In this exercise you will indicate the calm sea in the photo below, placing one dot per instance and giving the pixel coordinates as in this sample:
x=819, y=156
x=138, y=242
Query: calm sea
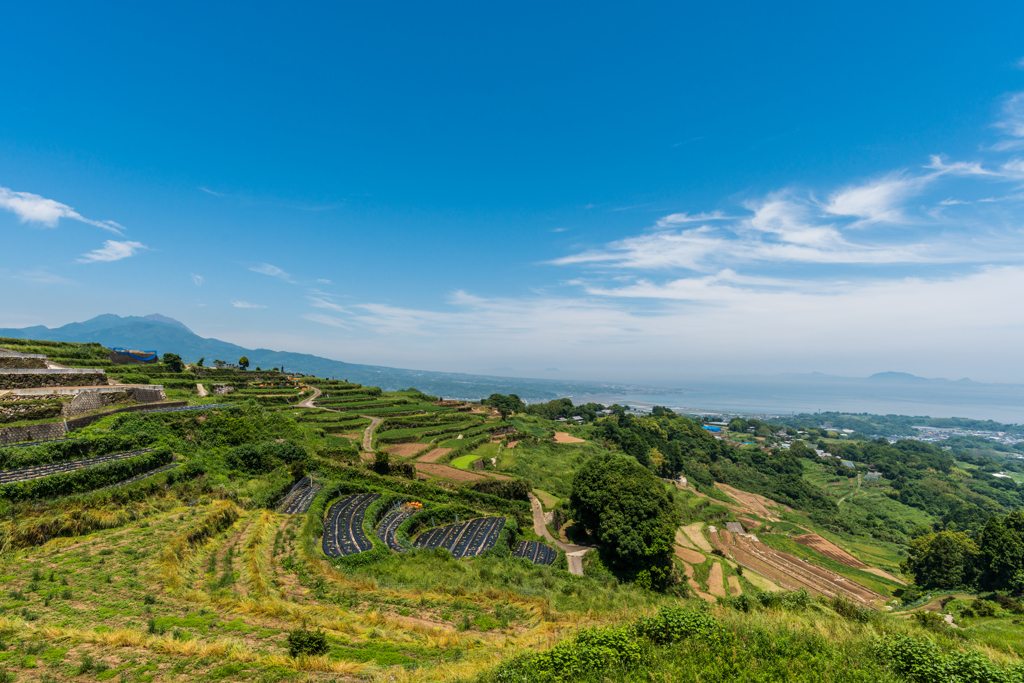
x=999, y=402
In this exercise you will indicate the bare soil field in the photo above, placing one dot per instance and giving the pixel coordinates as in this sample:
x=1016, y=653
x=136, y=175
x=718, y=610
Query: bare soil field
x=829, y=549
x=884, y=574
x=434, y=455
x=684, y=540
x=750, y=524
x=511, y=444
x=446, y=472
x=734, y=585
x=693, y=532
x=405, y=450
x=687, y=555
x=715, y=584
x=562, y=437
x=791, y=572
x=751, y=502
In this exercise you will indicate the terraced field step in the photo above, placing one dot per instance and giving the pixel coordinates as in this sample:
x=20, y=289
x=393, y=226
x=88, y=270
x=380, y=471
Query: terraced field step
x=389, y=525
x=465, y=539
x=298, y=502
x=29, y=444
x=343, y=528
x=535, y=552
x=39, y=471
x=139, y=477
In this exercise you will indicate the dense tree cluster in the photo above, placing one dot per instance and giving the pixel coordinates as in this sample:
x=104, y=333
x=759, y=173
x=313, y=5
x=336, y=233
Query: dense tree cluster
x=631, y=516
x=991, y=560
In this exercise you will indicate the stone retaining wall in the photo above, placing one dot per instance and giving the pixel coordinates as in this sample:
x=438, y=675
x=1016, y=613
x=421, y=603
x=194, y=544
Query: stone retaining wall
x=50, y=430
x=33, y=379
x=21, y=363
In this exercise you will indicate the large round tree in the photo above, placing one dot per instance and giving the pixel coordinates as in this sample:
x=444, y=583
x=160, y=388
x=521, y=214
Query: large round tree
x=630, y=514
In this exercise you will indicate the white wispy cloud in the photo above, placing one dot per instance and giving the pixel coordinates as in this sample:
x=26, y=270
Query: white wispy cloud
x=112, y=250
x=319, y=302
x=198, y=279
x=43, y=277
x=326, y=320
x=31, y=208
x=246, y=304
x=323, y=281
x=674, y=219
x=271, y=270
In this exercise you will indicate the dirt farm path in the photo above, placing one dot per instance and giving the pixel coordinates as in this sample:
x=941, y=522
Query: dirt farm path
x=368, y=434
x=574, y=553
x=840, y=502
x=202, y=390
x=308, y=403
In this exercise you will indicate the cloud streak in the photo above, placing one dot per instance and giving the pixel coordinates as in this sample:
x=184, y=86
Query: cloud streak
x=246, y=304
x=112, y=250
x=32, y=208
x=271, y=270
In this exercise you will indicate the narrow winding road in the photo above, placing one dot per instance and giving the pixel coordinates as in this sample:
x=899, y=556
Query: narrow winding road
x=308, y=403
x=368, y=434
x=573, y=553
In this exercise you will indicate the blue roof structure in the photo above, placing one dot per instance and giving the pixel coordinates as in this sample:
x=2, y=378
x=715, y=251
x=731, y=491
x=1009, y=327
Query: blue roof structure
x=849, y=464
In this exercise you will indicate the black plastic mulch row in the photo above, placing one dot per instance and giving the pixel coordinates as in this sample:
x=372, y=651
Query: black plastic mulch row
x=39, y=471
x=139, y=477
x=34, y=443
x=466, y=539
x=343, y=530
x=182, y=409
x=302, y=499
x=389, y=525
x=535, y=552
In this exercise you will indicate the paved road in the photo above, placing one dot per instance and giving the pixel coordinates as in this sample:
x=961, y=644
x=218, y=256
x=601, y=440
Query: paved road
x=368, y=434
x=203, y=393
x=574, y=553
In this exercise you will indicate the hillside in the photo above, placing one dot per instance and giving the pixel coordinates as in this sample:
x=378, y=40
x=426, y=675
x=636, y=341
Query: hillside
x=160, y=333
x=260, y=526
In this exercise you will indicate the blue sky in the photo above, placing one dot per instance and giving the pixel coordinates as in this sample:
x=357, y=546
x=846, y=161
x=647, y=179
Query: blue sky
x=590, y=191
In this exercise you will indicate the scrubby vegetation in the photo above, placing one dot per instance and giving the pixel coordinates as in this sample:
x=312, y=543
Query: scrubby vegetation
x=175, y=559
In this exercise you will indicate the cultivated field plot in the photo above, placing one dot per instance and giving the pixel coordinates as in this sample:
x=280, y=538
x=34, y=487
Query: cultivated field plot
x=535, y=552
x=185, y=409
x=39, y=471
x=297, y=502
x=343, y=529
x=466, y=539
x=829, y=550
x=789, y=571
x=389, y=525
x=139, y=477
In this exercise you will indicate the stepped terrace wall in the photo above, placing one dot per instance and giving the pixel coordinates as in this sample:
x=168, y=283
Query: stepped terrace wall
x=18, y=361
x=34, y=379
x=50, y=430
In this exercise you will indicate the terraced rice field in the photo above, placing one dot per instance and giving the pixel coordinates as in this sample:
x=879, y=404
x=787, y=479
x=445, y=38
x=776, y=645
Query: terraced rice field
x=789, y=571
x=184, y=409
x=343, y=528
x=27, y=444
x=39, y=471
x=829, y=550
x=389, y=525
x=139, y=477
x=535, y=552
x=466, y=539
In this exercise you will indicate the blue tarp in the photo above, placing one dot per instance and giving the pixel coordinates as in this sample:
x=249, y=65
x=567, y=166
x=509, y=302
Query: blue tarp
x=713, y=429
x=137, y=355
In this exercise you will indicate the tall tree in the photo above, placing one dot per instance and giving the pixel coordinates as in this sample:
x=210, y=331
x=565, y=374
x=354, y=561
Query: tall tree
x=943, y=560
x=173, y=362
x=243, y=362
x=630, y=514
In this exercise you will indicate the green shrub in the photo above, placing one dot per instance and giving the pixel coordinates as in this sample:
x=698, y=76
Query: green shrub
x=305, y=642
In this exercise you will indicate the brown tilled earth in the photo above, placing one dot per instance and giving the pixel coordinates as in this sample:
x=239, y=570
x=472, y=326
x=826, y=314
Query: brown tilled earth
x=446, y=472
x=434, y=455
x=789, y=571
x=829, y=549
x=405, y=450
x=751, y=502
x=562, y=437
x=687, y=555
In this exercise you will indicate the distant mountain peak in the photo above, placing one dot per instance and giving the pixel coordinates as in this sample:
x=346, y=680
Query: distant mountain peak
x=156, y=317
